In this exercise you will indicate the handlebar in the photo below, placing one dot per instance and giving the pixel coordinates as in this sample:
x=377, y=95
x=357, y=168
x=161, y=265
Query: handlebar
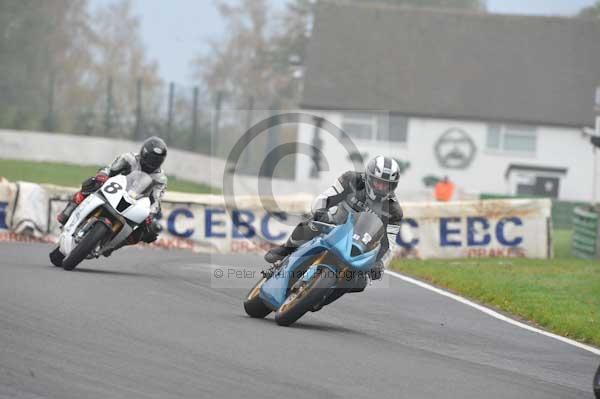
x=315, y=225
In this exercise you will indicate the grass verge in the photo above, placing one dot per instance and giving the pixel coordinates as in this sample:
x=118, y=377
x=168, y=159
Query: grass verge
x=73, y=175
x=561, y=295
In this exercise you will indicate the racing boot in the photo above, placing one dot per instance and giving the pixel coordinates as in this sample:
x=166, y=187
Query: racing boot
x=87, y=187
x=301, y=234
x=277, y=254
x=64, y=216
x=129, y=241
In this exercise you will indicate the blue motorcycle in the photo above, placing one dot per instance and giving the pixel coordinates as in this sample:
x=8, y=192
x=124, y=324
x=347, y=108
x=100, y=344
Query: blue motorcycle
x=320, y=270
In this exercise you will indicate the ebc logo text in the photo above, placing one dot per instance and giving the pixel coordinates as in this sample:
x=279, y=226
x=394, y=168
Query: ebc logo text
x=244, y=224
x=472, y=231
x=3, y=206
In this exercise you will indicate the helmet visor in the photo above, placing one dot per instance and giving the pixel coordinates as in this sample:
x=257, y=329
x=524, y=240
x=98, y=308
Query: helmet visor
x=152, y=161
x=382, y=187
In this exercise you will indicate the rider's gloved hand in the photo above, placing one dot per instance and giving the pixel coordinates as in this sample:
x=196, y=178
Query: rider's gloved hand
x=101, y=178
x=93, y=183
x=151, y=228
x=322, y=215
x=376, y=272
x=152, y=224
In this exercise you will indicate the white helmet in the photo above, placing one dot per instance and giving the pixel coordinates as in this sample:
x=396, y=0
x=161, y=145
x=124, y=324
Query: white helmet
x=382, y=176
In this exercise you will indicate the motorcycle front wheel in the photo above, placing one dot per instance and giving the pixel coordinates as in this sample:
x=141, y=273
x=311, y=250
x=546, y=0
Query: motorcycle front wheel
x=253, y=305
x=89, y=242
x=304, y=296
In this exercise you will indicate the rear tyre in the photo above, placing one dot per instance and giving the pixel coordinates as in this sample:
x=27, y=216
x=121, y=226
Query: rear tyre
x=56, y=257
x=85, y=246
x=253, y=305
x=305, y=296
x=597, y=383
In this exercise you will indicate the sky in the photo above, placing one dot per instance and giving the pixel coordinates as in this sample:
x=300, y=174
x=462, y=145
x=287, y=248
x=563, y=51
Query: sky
x=175, y=31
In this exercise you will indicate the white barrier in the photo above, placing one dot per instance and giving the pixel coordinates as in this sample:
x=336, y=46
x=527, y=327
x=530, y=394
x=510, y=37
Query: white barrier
x=493, y=228
x=99, y=151
x=184, y=165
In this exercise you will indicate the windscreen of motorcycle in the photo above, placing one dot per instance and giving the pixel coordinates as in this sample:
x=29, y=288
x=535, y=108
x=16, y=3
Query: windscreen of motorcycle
x=138, y=184
x=368, y=229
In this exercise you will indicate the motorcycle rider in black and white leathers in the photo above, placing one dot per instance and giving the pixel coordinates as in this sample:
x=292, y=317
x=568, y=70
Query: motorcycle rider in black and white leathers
x=149, y=160
x=371, y=191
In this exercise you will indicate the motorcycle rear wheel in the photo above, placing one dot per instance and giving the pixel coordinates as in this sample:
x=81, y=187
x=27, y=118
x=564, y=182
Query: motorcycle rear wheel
x=302, y=300
x=85, y=246
x=253, y=305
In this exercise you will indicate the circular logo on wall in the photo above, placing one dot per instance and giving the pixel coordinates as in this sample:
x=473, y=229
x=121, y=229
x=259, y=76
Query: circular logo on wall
x=455, y=149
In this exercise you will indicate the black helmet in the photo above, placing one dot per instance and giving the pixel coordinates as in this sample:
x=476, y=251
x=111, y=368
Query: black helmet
x=382, y=176
x=152, y=154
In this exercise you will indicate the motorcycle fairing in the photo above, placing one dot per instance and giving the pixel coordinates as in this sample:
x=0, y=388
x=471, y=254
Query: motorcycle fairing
x=137, y=212
x=89, y=205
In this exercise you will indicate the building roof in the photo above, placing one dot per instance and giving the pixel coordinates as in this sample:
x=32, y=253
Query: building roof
x=449, y=64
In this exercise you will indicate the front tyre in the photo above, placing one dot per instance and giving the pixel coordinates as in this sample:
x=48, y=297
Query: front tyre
x=253, y=305
x=89, y=242
x=597, y=383
x=304, y=296
x=56, y=257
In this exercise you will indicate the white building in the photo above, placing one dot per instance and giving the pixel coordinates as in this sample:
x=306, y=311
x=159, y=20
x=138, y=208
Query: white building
x=495, y=102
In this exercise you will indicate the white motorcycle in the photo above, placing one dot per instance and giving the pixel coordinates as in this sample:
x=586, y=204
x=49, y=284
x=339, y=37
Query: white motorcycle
x=104, y=220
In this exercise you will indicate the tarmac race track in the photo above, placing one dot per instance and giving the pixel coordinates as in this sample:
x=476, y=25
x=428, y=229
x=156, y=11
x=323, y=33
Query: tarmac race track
x=154, y=324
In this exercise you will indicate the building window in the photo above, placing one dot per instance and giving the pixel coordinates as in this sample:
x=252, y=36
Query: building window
x=360, y=126
x=393, y=128
x=512, y=138
x=380, y=127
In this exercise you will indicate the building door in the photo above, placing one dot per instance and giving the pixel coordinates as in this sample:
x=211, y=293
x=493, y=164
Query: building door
x=546, y=187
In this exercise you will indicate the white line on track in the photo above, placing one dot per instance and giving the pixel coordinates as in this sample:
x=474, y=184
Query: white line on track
x=492, y=313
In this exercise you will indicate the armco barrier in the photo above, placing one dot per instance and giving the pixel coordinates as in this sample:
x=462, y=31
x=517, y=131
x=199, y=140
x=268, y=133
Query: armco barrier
x=492, y=228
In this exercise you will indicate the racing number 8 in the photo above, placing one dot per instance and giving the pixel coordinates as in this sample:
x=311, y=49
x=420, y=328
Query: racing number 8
x=112, y=188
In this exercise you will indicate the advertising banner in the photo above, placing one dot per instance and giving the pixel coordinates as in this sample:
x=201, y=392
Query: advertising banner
x=491, y=228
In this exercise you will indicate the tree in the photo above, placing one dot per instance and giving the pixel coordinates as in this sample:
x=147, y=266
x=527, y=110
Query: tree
x=238, y=64
x=37, y=39
x=56, y=59
x=592, y=11
x=119, y=57
x=476, y=5
x=255, y=59
x=289, y=49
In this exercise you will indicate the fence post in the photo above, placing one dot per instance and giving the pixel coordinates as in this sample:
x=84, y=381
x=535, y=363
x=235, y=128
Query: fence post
x=216, y=122
x=168, y=136
x=138, y=133
x=272, y=142
x=109, y=98
x=50, y=123
x=317, y=146
x=247, y=154
x=194, y=135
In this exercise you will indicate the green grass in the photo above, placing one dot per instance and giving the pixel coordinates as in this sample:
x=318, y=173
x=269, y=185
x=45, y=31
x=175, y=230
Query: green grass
x=561, y=295
x=73, y=175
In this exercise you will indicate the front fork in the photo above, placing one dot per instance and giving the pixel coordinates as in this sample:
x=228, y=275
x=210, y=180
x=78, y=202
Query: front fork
x=96, y=217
